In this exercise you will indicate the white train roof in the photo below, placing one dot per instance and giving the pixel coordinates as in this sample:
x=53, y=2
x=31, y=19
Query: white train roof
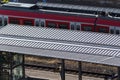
x=53, y=43
x=15, y=4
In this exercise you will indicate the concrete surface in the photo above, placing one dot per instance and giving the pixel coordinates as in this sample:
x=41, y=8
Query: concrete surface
x=47, y=75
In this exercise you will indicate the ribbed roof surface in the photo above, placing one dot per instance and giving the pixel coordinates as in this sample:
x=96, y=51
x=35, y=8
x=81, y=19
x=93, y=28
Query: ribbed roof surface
x=67, y=35
x=32, y=41
x=65, y=47
x=23, y=48
x=64, y=55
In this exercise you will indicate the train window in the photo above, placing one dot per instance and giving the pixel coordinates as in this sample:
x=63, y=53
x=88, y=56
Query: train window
x=28, y=22
x=87, y=28
x=63, y=26
x=112, y=31
x=51, y=25
x=14, y=21
x=77, y=27
x=117, y=32
x=42, y=24
x=102, y=30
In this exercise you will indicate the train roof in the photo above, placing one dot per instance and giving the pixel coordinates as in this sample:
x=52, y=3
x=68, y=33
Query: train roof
x=20, y=5
x=66, y=9
x=110, y=12
x=61, y=6
x=79, y=7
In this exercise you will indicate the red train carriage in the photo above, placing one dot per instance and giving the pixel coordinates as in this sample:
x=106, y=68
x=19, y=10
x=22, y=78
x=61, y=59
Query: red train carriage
x=58, y=16
x=46, y=18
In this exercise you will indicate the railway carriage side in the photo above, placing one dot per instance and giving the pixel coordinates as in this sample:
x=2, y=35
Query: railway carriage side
x=39, y=19
x=108, y=25
x=81, y=23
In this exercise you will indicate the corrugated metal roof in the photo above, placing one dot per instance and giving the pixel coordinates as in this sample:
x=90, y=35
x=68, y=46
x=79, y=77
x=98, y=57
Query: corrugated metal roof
x=27, y=40
x=114, y=61
x=66, y=47
x=66, y=35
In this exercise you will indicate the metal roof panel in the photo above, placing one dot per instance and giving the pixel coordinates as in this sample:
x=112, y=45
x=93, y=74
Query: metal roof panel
x=58, y=46
x=66, y=35
x=62, y=55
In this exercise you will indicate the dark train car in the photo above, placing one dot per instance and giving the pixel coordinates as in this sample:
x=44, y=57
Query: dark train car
x=99, y=3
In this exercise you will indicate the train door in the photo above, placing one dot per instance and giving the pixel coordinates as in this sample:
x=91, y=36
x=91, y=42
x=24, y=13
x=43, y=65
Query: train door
x=40, y=22
x=3, y=20
x=72, y=25
x=78, y=26
x=112, y=30
x=117, y=30
x=37, y=24
x=75, y=26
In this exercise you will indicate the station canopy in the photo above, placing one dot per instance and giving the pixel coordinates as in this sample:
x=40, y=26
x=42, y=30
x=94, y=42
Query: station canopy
x=92, y=47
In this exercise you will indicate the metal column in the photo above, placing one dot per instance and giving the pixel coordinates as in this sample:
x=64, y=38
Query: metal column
x=118, y=73
x=62, y=72
x=11, y=67
x=23, y=66
x=80, y=70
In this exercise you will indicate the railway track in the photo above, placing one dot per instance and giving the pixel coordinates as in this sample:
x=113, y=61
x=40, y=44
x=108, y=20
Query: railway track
x=71, y=71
